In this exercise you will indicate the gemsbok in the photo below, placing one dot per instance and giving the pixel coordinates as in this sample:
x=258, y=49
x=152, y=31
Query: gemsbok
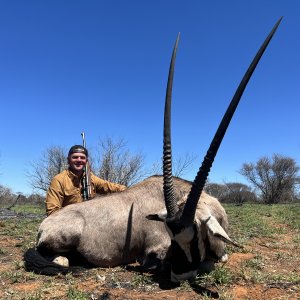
x=162, y=219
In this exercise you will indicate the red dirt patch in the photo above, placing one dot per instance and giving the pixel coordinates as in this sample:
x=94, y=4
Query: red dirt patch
x=235, y=259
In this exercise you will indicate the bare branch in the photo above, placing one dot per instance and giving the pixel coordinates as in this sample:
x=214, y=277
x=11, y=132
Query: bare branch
x=117, y=164
x=52, y=162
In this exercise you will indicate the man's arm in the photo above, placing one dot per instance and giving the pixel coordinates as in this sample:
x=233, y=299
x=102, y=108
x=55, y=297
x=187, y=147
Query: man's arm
x=103, y=186
x=54, y=198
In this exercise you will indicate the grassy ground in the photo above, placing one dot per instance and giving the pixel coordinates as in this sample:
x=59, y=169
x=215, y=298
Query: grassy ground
x=268, y=267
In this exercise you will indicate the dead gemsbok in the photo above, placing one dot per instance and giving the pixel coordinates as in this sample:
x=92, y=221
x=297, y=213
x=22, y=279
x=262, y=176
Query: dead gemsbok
x=119, y=229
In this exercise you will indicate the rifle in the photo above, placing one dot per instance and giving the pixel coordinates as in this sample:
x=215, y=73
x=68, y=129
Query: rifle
x=86, y=180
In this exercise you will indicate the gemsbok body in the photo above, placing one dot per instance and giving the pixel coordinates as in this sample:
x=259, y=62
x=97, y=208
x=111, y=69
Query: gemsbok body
x=161, y=219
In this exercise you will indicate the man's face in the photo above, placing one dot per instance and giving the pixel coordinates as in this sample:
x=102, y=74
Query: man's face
x=77, y=162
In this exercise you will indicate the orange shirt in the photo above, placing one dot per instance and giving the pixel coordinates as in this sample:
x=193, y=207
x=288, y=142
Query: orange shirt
x=65, y=189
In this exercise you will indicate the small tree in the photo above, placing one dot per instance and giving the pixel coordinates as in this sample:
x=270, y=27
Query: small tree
x=117, y=164
x=274, y=178
x=231, y=192
x=6, y=195
x=238, y=193
x=53, y=161
x=216, y=190
x=36, y=199
x=180, y=165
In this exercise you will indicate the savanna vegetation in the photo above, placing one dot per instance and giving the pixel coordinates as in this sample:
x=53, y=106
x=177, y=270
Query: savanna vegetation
x=267, y=267
x=263, y=217
x=271, y=179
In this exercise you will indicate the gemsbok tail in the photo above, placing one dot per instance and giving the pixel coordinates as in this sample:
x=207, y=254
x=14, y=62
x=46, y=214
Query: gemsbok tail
x=35, y=262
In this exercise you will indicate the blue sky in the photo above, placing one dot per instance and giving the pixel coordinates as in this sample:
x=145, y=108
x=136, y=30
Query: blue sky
x=101, y=67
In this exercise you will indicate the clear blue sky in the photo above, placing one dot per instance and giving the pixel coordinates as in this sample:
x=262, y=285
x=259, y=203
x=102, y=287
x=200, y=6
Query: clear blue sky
x=101, y=67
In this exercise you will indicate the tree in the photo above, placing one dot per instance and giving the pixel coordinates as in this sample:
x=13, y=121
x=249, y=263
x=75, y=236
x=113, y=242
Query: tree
x=36, y=199
x=6, y=195
x=180, y=165
x=53, y=161
x=114, y=162
x=216, y=190
x=275, y=178
x=238, y=193
x=231, y=192
x=117, y=164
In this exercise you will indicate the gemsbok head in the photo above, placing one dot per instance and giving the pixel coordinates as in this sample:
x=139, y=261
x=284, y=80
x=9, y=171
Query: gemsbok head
x=195, y=228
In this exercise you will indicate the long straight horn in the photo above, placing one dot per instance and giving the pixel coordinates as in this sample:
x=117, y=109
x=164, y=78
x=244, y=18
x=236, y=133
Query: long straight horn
x=188, y=214
x=170, y=201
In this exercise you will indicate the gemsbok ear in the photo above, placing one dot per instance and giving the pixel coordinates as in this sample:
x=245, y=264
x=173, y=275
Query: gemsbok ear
x=156, y=217
x=217, y=231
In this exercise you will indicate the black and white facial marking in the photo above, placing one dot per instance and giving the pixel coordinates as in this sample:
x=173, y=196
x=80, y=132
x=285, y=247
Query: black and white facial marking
x=194, y=244
x=185, y=252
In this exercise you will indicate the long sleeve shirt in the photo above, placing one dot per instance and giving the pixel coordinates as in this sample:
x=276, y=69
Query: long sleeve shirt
x=66, y=188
